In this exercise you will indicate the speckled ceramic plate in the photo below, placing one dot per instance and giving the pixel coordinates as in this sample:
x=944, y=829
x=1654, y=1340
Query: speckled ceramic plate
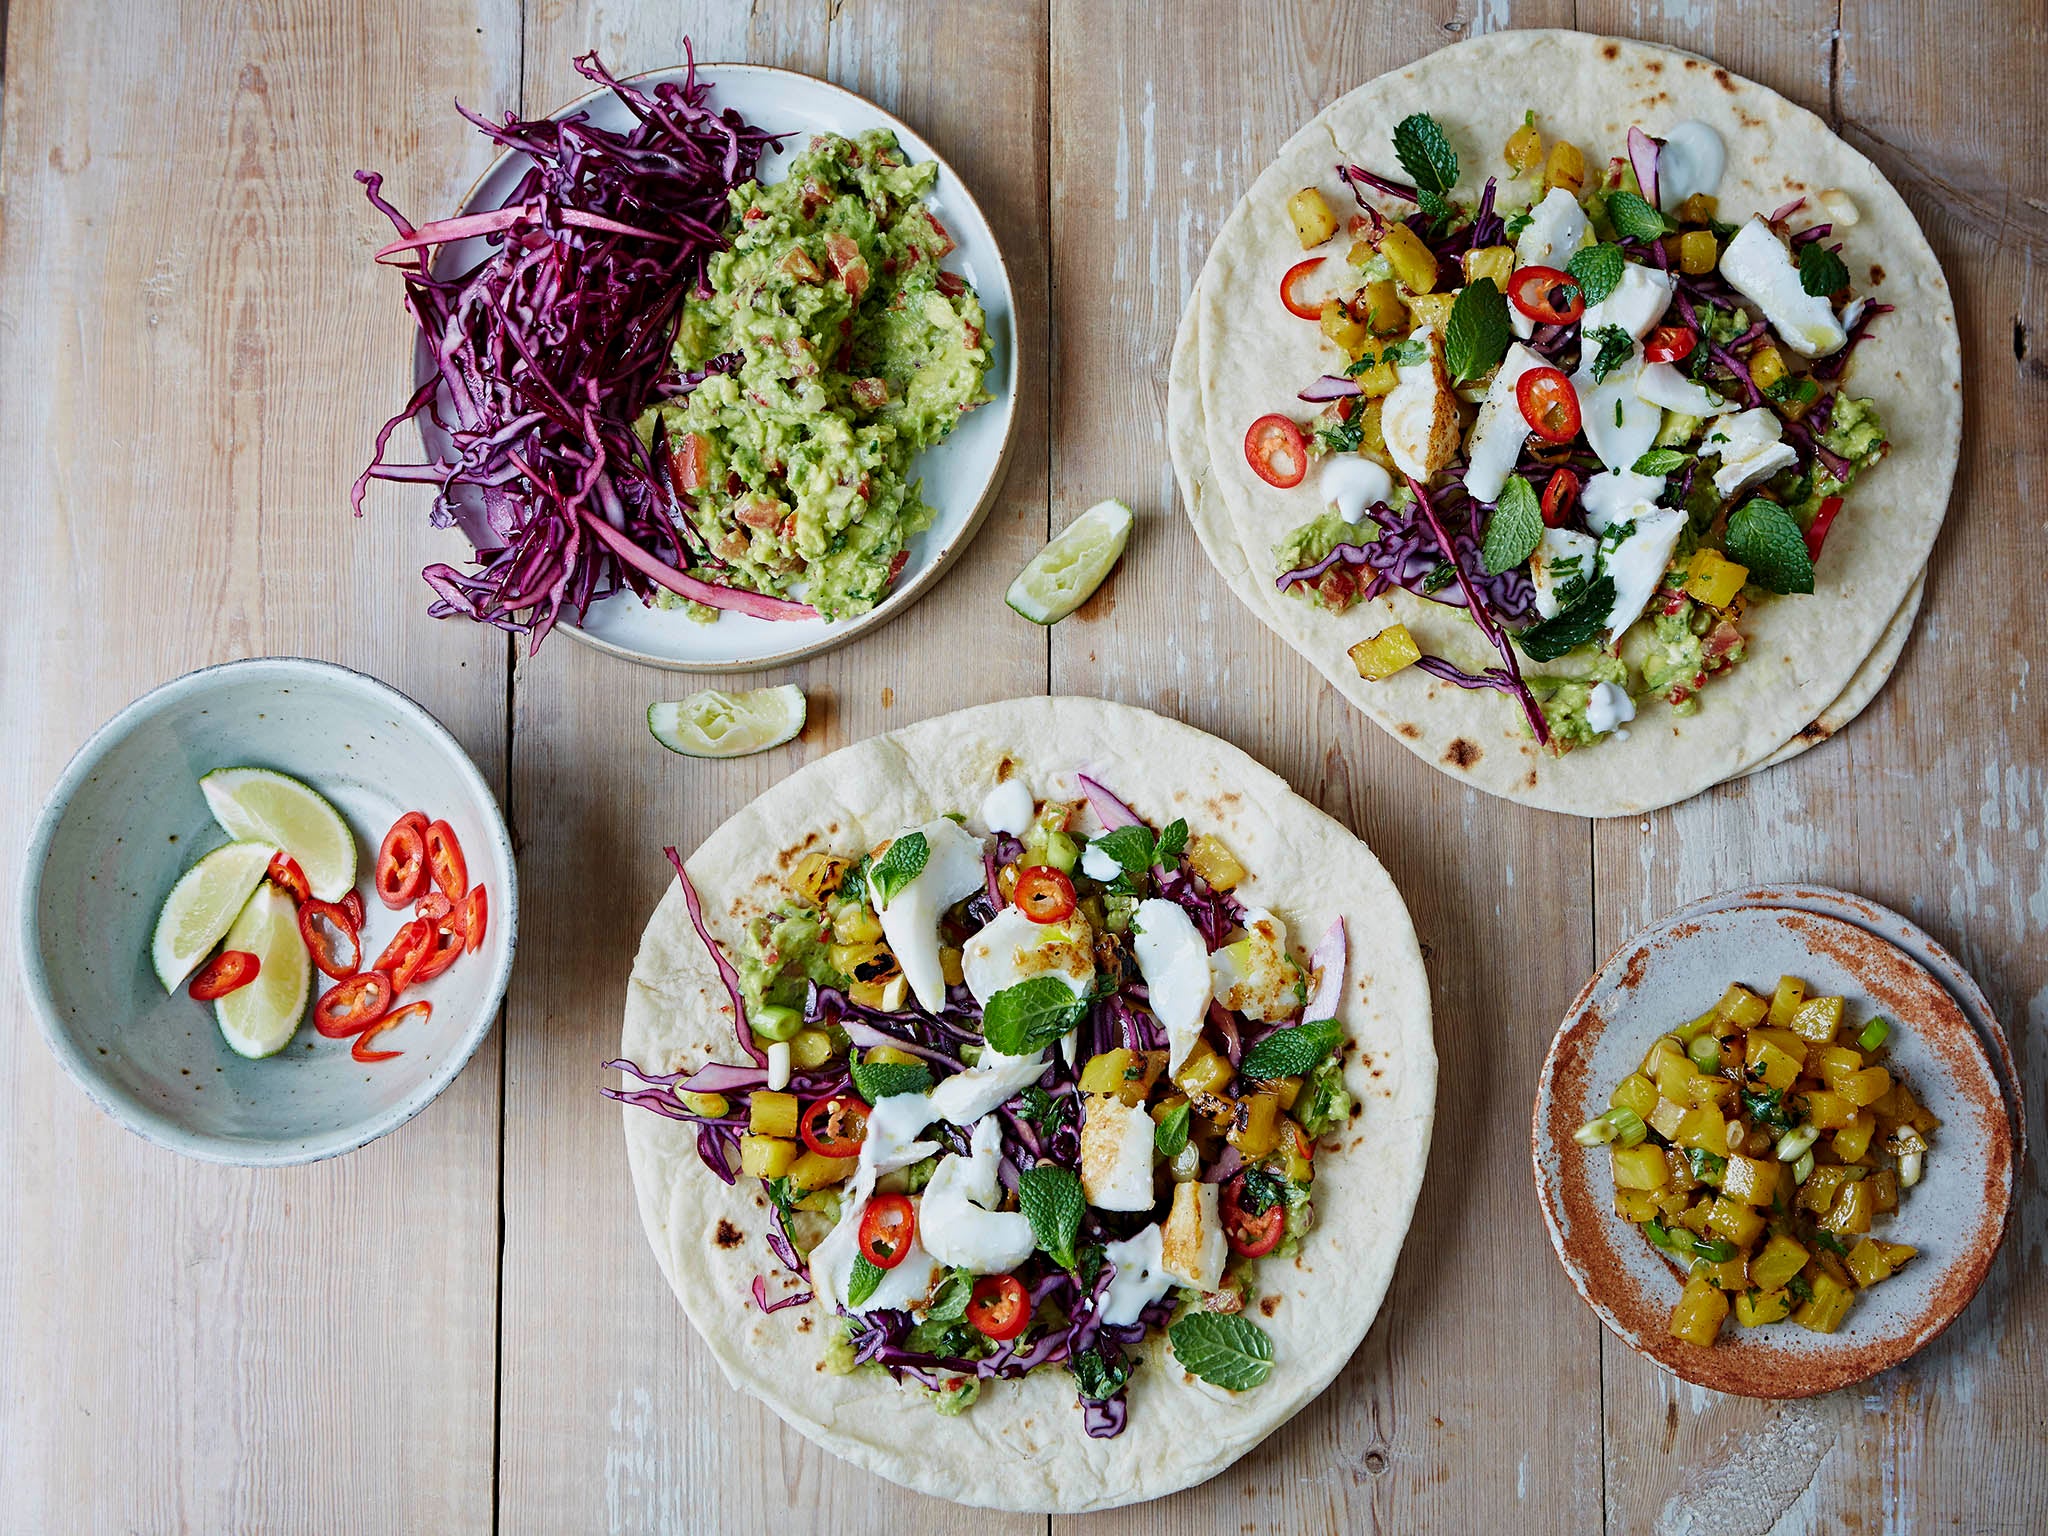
x=1916, y=942
x=1956, y=1215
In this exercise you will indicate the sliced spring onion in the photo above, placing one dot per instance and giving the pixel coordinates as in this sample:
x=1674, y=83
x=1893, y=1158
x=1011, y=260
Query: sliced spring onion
x=1619, y=1126
x=1803, y=1169
x=1674, y=1240
x=1874, y=1033
x=1699, y=1026
x=1796, y=1142
x=1909, y=1170
x=1708, y=1167
x=1715, y=1250
x=1704, y=1052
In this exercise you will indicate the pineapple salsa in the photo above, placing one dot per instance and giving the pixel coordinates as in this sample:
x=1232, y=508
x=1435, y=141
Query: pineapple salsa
x=1586, y=409
x=1024, y=1098
x=1755, y=1147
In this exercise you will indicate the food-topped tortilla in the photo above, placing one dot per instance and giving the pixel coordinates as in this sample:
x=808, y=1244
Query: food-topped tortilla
x=1602, y=424
x=1029, y=1105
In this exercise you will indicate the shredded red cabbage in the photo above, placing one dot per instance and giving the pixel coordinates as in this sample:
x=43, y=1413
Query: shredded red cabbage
x=1475, y=604
x=726, y=973
x=794, y=1299
x=1353, y=175
x=548, y=349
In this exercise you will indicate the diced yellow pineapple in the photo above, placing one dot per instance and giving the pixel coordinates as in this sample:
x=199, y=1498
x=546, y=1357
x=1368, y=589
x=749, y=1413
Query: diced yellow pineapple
x=1665, y=1118
x=1640, y=1168
x=1636, y=1205
x=1766, y=366
x=1827, y=1110
x=1634, y=1092
x=1385, y=653
x=1818, y=1193
x=766, y=1157
x=1673, y=1073
x=1817, y=1019
x=1384, y=313
x=1869, y=1262
x=1341, y=327
x=1698, y=252
x=1216, y=864
x=1256, y=1129
x=1494, y=261
x=1754, y=1309
x=1413, y=262
x=1777, y=1262
x=817, y=875
x=1204, y=1070
x=1830, y=1305
x=1865, y=1087
x=1703, y=1128
x=1700, y=1312
x=810, y=1048
x=772, y=1114
x=1712, y=578
x=1852, y=1208
x=1752, y=1180
x=1377, y=380
x=815, y=1171
x=1432, y=309
x=1566, y=167
x=1700, y=208
x=1742, y=1007
x=1524, y=149
x=1768, y=1062
x=1735, y=1221
x=1313, y=221
x=1785, y=1000
x=1852, y=1141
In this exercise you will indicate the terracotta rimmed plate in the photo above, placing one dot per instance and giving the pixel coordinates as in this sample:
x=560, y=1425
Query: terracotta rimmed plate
x=962, y=476
x=1956, y=1216
x=1917, y=942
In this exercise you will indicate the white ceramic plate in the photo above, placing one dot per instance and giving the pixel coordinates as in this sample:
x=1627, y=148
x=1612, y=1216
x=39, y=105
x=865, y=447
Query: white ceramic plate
x=961, y=476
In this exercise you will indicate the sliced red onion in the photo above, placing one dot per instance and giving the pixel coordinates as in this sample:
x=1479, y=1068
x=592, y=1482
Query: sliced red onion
x=1328, y=964
x=1227, y=1163
x=866, y=1035
x=726, y=973
x=795, y=1299
x=722, y=1077
x=1642, y=154
x=1787, y=210
x=1330, y=387
x=1109, y=810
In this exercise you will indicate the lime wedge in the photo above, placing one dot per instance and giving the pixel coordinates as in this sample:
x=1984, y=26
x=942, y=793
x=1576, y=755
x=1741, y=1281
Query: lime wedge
x=261, y=1018
x=202, y=905
x=1064, y=575
x=272, y=808
x=718, y=724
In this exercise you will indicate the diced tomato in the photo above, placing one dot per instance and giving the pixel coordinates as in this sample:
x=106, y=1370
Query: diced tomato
x=354, y=1005
x=1000, y=1306
x=331, y=939
x=402, y=861
x=1823, y=520
x=1043, y=894
x=896, y=563
x=284, y=872
x=1669, y=344
x=946, y=244
x=1276, y=451
x=870, y=394
x=226, y=972
x=1560, y=491
x=1248, y=1234
x=951, y=284
x=692, y=462
x=1546, y=295
x=835, y=1127
x=888, y=1226
x=421, y=1010
x=444, y=858
x=1549, y=404
x=1296, y=305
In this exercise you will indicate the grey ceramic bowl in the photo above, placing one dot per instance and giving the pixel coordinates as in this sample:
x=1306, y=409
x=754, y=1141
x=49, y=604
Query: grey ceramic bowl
x=127, y=818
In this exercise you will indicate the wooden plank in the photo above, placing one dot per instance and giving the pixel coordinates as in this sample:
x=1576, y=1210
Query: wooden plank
x=1475, y=1399
x=614, y=1415
x=194, y=353
x=1911, y=807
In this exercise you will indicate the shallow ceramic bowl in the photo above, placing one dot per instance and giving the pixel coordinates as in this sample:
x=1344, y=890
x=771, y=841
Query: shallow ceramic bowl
x=1955, y=1216
x=127, y=818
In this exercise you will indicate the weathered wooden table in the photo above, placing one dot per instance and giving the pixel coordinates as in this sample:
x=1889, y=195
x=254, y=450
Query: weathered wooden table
x=461, y=1328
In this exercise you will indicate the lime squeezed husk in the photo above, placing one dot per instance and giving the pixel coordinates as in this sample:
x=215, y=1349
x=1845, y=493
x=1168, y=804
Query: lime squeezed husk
x=201, y=907
x=1064, y=575
x=719, y=724
x=259, y=1019
x=267, y=806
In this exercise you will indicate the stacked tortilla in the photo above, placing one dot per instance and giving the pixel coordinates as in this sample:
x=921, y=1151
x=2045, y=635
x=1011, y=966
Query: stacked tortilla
x=1812, y=661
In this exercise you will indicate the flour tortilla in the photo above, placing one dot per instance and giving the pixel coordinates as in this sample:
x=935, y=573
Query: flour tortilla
x=1804, y=652
x=1022, y=1446
x=1190, y=451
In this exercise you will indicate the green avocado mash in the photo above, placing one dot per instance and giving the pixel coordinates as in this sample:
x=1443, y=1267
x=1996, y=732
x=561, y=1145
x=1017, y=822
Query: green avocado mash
x=837, y=351
x=1564, y=699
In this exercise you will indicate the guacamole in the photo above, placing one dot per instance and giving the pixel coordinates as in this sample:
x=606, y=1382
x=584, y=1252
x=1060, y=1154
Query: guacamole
x=830, y=349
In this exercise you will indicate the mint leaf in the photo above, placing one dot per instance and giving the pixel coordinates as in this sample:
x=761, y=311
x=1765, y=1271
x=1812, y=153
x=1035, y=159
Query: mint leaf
x=1098, y=1378
x=1571, y=626
x=783, y=1191
x=1425, y=153
x=1050, y=1198
x=902, y=862
x=1597, y=271
x=1633, y=218
x=1821, y=272
x=1043, y=1110
x=879, y=1080
x=1439, y=210
x=1131, y=846
x=1514, y=530
x=1616, y=347
x=1259, y=1190
x=1172, y=843
x=1659, y=461
x=1170, y=1136
x=949, y=1304
x=1031, y=1015
x=1477, y=337
x=1292, y=1051
x=853, y=885
x=861, y=1284
x=1225, y=1349
x=1763, y=536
